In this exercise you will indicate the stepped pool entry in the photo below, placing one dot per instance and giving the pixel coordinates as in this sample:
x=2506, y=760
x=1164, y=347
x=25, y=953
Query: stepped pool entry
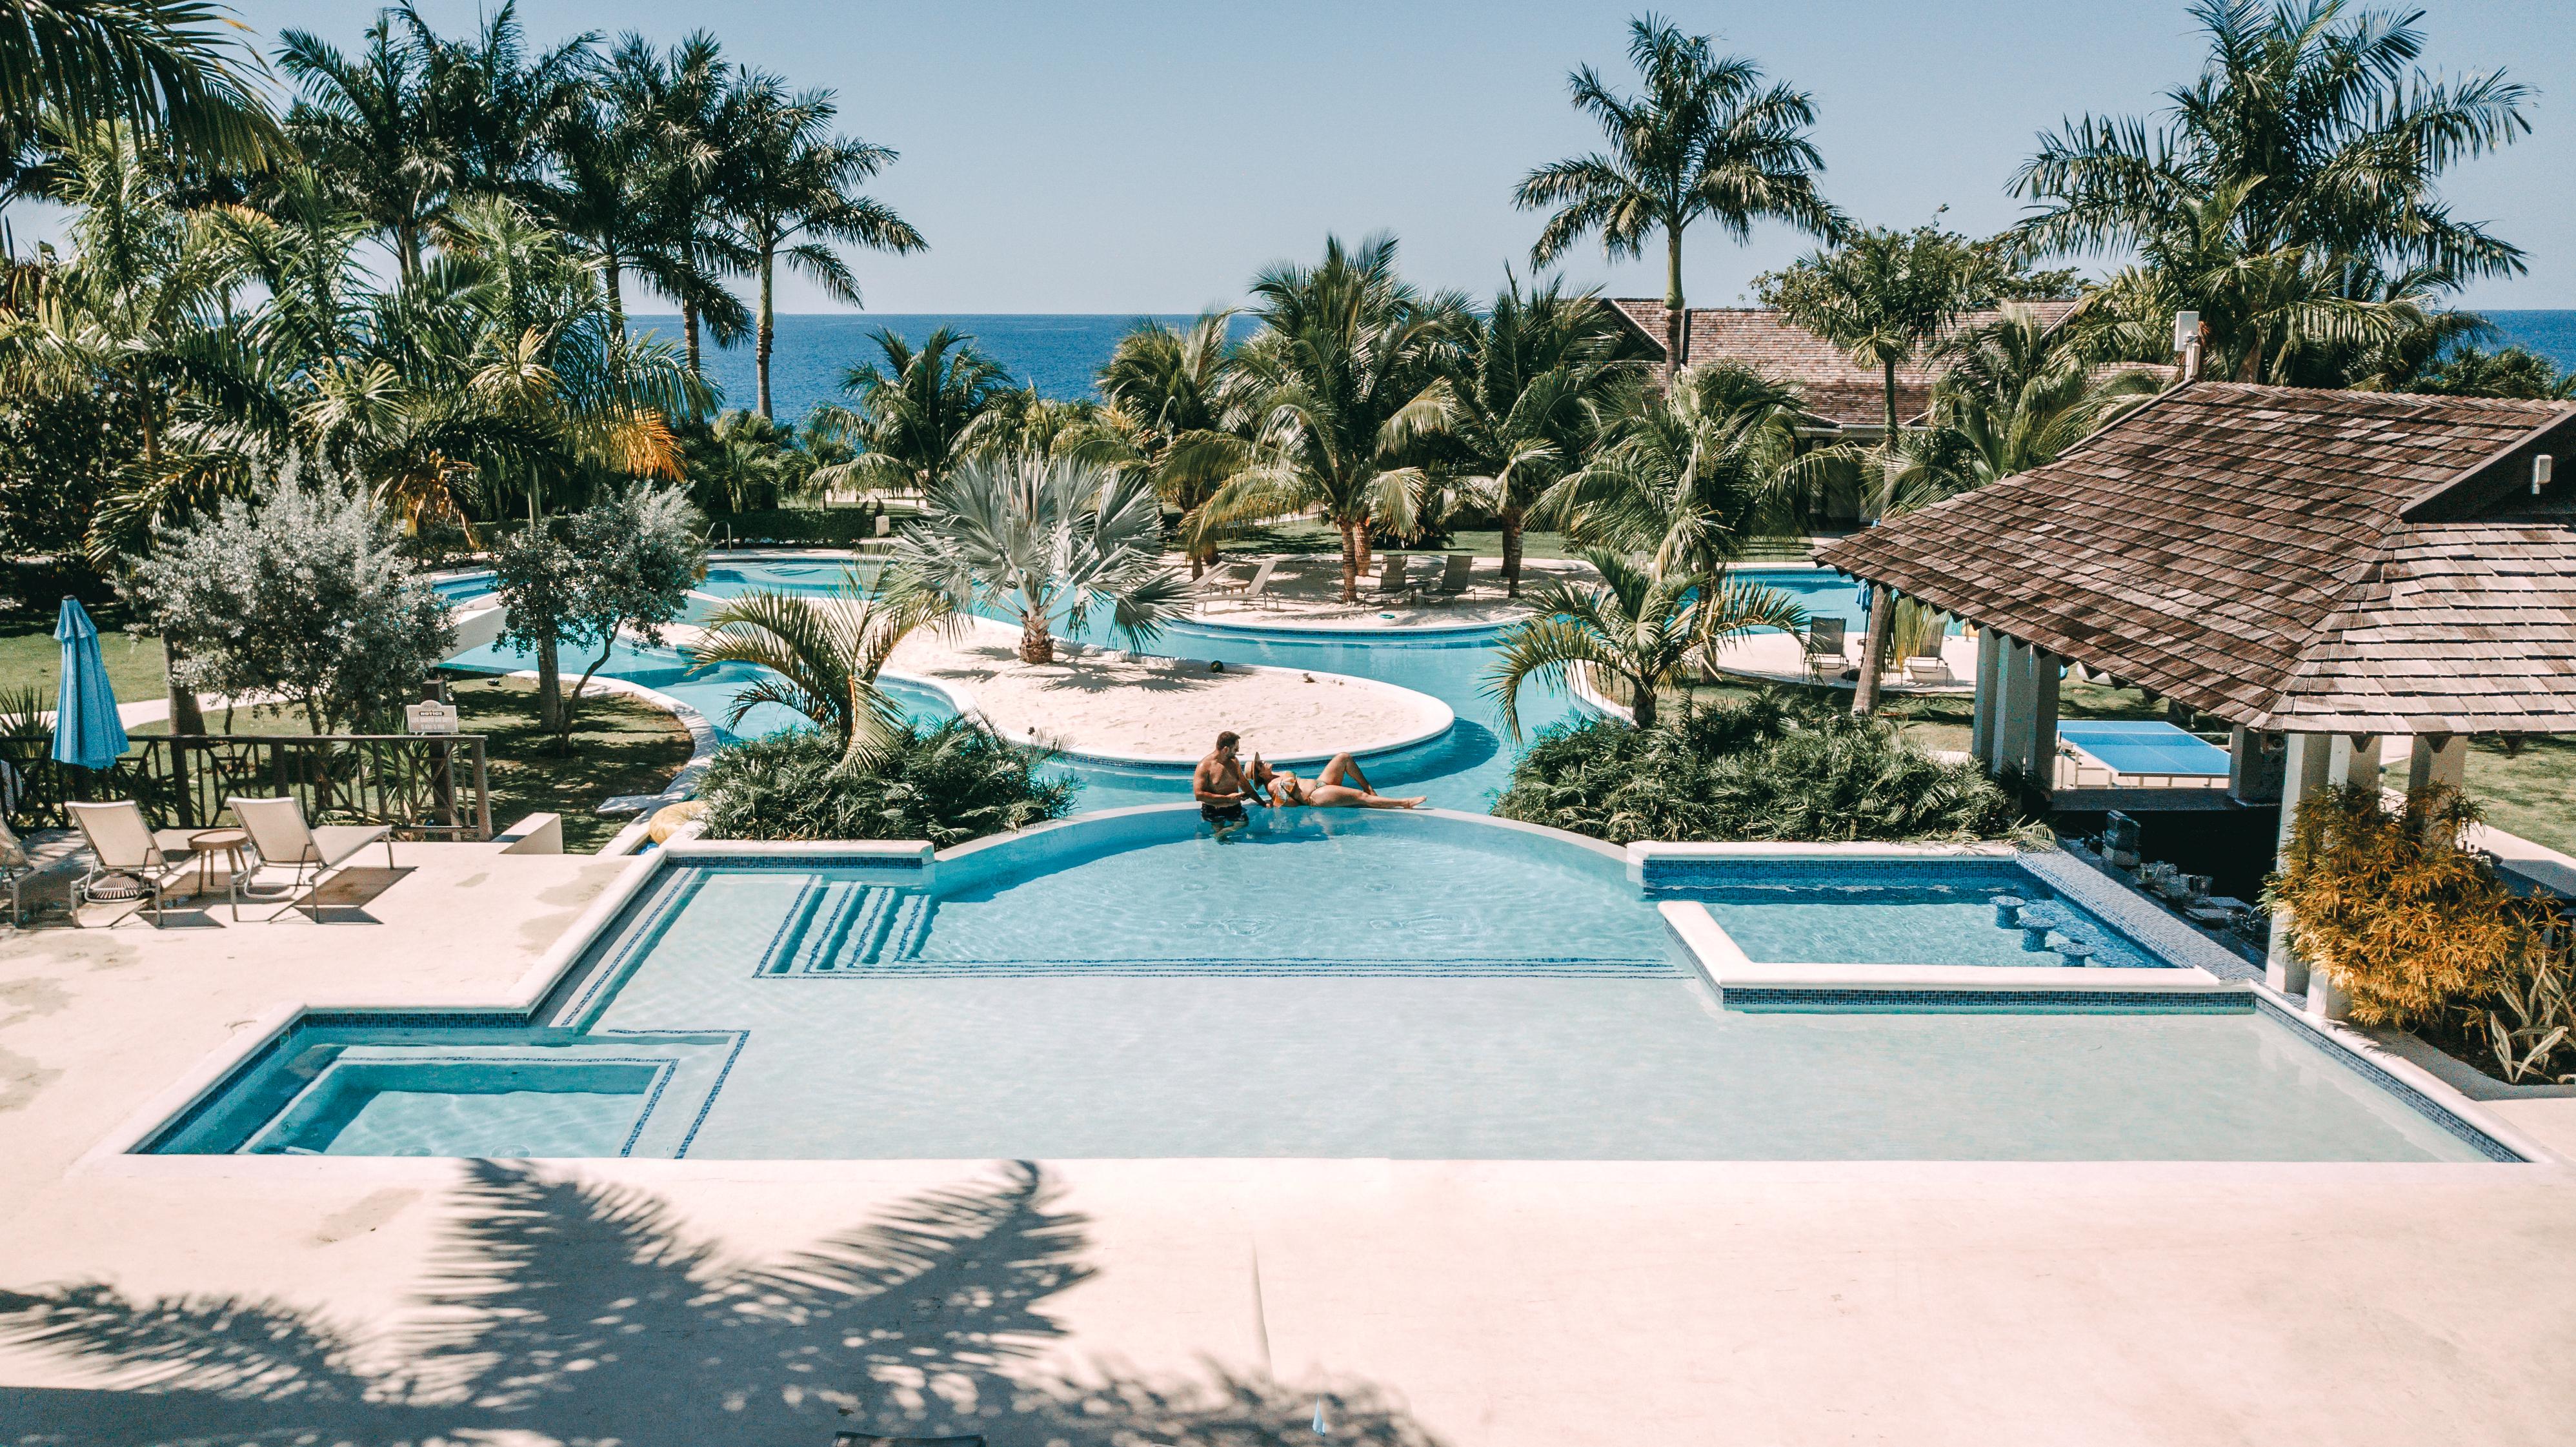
x=1426, y=986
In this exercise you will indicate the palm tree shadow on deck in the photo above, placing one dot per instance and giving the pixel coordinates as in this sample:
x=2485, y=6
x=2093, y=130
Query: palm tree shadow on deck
x=579, y=1312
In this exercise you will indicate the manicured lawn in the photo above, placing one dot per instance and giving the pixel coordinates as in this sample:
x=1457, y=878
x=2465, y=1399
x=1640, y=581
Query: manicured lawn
x=2532, y=793
x=30, y=656
x=619, y=746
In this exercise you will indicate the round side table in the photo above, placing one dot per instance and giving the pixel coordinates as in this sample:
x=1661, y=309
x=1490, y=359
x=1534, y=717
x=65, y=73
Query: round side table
x=230, y=843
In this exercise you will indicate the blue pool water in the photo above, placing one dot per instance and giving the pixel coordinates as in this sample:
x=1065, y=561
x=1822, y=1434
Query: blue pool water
x=1463, y=769
x=1858, y=912
x=1360, y=986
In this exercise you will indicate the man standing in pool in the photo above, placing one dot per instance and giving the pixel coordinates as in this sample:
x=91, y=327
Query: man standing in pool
x=1221, y=788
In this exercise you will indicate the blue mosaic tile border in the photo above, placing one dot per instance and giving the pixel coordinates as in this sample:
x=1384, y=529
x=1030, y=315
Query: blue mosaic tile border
x=2370, y=1070
x=663, y=1069
x=707, y=1106
x=2001, y=1002
x=618, y=947
x=804, y=863
x=1664, y=871
x=1343, y=967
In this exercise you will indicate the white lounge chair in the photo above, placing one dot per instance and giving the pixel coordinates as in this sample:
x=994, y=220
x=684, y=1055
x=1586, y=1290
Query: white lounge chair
x=283, y=841
x=1928, y=672
x=1253, y=590
x=122, y=846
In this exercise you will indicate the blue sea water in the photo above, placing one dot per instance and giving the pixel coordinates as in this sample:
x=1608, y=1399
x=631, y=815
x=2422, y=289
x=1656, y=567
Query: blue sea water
x=2551, y=333
x=1060, y=355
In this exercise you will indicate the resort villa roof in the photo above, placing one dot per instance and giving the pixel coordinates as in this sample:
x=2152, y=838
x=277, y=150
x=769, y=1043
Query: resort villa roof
x=2286, y=559
x=1838, y=390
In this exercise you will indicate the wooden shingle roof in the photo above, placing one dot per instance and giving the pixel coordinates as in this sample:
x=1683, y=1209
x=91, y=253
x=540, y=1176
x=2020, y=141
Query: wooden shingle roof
x=2284, y=558
x=1837, y=389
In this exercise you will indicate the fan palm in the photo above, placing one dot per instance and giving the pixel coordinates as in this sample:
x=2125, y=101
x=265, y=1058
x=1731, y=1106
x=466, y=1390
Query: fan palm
x=1332, y=395
x=1517, y=407
x=915, y=414
x=785, y=176
x=1038, y=536
x=822, y=655
x=1680, y=476
x=1707, y=141
x=1638, y=626
x=166, y=68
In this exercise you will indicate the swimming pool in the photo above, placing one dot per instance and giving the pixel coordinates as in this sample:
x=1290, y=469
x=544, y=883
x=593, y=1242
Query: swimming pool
x=1890, y=912
x=1422, y=986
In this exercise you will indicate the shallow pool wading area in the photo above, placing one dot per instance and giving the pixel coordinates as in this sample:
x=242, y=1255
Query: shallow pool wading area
x=1353, y=984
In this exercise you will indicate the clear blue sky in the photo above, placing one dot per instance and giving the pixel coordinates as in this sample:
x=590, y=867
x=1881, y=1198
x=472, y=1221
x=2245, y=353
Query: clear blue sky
x=1149, y=157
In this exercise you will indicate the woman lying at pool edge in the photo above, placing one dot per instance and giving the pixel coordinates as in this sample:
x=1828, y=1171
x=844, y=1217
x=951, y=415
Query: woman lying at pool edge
x=1332, y=789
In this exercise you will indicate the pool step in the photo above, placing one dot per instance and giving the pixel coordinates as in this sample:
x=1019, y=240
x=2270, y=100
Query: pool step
x=837, y=925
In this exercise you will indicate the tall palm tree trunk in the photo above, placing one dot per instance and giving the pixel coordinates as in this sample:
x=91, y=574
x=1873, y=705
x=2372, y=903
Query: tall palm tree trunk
x=1512, y=521
x=768, y=323
x=1641, y=704
x=1676, y=316
x=611, y=266
x=1350, y=561
x=1882, y=603
x=689, y=322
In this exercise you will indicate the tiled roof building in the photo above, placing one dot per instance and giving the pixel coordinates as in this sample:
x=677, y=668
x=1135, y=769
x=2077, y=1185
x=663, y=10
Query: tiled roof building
x=2286, y=559
x=1837, y=389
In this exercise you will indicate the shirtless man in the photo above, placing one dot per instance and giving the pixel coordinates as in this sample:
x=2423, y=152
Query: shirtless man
x=1221, y=788
x=1332, y=789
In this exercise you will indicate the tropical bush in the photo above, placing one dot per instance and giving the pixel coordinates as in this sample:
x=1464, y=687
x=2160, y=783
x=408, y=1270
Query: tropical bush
x=303, y=596
x=948, y=784
x=2419, y=933
x=1772, y=768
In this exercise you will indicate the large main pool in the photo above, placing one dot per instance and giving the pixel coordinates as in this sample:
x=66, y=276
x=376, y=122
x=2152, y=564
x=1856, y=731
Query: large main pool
x=1357, y=985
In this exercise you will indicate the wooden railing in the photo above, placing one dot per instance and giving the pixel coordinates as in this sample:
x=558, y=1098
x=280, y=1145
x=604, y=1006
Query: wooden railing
x=425, y=786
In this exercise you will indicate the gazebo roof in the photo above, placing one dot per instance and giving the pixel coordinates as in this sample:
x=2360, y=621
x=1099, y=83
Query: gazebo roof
x=2283, y=558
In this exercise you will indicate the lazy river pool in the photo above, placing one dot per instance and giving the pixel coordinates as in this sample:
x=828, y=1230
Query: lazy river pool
x=1359, y=985
x=1463, y=769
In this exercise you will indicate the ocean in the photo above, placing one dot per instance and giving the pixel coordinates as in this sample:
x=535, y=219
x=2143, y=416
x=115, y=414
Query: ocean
x=1061, y=354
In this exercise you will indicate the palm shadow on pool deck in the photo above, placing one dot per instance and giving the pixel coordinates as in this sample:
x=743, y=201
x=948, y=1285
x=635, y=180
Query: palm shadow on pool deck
x=580, y=1313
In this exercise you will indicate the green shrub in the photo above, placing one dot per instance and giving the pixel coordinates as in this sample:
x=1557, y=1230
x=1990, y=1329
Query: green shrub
x=947, y=784
x=1770, y=769
x=838, y=526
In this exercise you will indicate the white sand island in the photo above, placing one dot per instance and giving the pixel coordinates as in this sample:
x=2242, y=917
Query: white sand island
x=1095, y=701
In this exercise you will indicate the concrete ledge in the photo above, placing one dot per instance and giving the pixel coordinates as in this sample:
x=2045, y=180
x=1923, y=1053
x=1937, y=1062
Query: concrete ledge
x=536, y=834
x=1726, y=967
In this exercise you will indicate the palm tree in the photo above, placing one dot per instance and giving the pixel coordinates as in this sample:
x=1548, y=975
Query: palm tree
x=1681, y=476
x=2316, y=129
x=495, y=109
x=1517, y=407
x=1706, y=141
x=745, y=457
x=1635, y=625
x=1882, y=297
x=2014, y=394
x=166, y=68
x=689, y=88
x=822, y=654
x=1042, y=535
x=2295, y=315
x=1332, y=394
x=915, y=414
x=786, y=177
x=1168, y=383
x=366, y=127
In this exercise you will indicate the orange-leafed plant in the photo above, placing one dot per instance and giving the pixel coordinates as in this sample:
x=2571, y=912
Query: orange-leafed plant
x=2392, y=906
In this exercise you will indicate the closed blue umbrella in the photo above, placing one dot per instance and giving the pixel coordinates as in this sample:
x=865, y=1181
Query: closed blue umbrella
x=87, y=731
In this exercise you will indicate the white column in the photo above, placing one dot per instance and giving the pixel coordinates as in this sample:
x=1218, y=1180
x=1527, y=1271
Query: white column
x=2303, y=774
x=2353, y=763
x=2012, y=705
x=2437, y=759
x=2042, y=768
x=1990, y=677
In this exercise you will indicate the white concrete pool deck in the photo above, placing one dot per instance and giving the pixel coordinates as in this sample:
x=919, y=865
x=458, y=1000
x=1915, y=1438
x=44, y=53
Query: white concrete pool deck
x=1489, y=1302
